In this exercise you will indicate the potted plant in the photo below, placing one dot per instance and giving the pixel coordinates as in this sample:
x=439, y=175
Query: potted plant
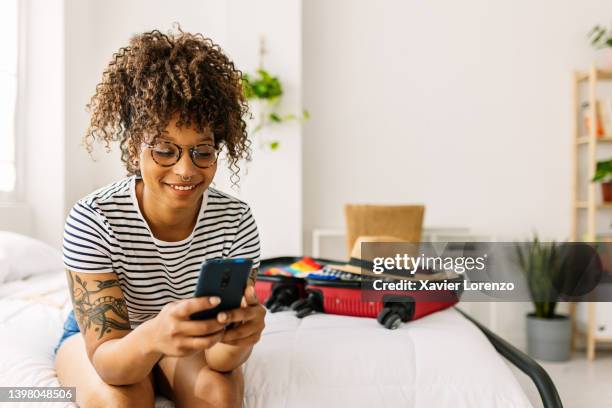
x=601, y=39
x=548, y=333
x=267, y=91
x=603, y=174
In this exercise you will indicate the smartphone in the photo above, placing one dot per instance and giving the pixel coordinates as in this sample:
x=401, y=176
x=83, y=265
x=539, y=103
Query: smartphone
x=225, y=278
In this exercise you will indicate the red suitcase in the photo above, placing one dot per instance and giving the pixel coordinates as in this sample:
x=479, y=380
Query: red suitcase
x=278, y=292
x=390, y=308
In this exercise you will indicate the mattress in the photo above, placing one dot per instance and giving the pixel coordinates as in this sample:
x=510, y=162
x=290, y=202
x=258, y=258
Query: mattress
x=442, y=360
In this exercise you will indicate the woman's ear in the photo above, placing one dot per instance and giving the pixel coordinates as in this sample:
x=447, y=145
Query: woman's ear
x=135, y=156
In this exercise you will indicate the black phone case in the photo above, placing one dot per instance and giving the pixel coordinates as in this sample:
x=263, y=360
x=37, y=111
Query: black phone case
x=225, y=278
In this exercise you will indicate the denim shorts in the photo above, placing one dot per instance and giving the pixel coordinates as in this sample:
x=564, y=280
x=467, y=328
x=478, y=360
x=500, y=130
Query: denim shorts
x=70, y=328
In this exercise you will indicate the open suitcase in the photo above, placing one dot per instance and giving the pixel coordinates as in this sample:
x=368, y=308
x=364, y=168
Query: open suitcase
x=345, y=297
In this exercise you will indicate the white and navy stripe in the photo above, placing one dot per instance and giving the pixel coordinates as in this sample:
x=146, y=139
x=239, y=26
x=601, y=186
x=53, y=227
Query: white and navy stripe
x=105, y=232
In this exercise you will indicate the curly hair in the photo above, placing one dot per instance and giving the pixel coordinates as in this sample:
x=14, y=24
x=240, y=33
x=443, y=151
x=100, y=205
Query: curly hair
x=160, y=75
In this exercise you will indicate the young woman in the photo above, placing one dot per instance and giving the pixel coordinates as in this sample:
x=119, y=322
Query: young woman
x=133, y=249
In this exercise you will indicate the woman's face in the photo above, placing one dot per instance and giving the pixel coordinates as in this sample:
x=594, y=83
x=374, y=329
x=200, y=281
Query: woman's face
x=179, y=186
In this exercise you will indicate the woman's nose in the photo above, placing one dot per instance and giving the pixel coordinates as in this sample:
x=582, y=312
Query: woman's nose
x=185, y=167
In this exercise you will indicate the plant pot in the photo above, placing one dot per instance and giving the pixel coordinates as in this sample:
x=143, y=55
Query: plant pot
x=549, y=339
x=606, y=191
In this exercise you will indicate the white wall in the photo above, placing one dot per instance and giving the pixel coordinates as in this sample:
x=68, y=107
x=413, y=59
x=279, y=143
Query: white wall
x=42, y=131
x=272, y=182
x=462, y=106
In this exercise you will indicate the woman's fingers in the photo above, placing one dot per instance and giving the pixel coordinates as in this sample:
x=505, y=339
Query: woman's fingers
x=200, y=327
x=240, y=332
x=238, y=315
x=202, y=343
x=251, y=295
x=185, y=308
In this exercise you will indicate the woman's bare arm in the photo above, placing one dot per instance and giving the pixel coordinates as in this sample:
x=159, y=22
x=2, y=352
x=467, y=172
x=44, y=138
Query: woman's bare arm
x=120, y=355
x=237, y=343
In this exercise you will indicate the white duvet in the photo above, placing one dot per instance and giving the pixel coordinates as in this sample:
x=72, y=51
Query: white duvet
x=442, y=360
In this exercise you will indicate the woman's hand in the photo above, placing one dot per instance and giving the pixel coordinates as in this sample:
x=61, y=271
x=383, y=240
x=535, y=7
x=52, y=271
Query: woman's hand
x=248, y=321
x=178, y=336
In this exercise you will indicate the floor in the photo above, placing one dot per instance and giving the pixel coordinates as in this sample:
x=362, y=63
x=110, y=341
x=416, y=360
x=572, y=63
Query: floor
x=581, y=383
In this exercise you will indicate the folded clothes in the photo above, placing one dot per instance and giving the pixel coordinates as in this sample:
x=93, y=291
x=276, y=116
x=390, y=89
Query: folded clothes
x=329, y=273
x=299, y=269
x=309, y=268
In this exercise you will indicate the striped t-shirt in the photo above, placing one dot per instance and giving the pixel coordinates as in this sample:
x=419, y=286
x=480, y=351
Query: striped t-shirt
x=106, y=232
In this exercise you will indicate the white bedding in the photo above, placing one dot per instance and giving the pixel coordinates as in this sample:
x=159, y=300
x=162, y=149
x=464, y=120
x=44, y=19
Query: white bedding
x=442, y=360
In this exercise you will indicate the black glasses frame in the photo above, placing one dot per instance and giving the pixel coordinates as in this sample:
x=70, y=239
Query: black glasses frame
x=192, y=149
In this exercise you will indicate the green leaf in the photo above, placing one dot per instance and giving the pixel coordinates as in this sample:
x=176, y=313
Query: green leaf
x=597, y=37
x=275, y=118
x=600, y=36
x=274, y=145
x=540, y=263
x=603, y=170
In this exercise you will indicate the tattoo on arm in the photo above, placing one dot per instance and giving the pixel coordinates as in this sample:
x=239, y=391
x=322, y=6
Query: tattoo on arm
x=102, y=314
x=253, y=276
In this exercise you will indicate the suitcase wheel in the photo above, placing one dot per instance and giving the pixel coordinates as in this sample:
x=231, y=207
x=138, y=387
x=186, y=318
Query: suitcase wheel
x=270, y=302
x=281, y=296
x=276, y=307
x=382, y=315
x=303, y=312
x=298, y=304
x=312, y=303
x=392, y=321
x=287, y=295
x=394, y=313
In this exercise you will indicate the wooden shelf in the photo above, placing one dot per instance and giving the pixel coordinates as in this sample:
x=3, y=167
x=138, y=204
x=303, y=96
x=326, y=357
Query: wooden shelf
x=584, y=204
x=603, y=74
x=585, y=140
x=600, y=339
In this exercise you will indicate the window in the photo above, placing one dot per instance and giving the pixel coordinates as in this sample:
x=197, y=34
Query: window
x=8, y=94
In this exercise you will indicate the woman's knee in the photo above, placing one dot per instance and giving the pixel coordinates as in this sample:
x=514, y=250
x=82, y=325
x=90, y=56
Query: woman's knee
x=121, y=396
x=220, y=389
x=74, y=370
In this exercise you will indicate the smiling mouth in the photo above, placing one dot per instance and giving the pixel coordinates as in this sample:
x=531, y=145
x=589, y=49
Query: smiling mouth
x=183, y=187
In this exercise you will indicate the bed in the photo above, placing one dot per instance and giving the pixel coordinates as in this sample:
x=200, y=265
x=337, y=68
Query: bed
x=443, y=360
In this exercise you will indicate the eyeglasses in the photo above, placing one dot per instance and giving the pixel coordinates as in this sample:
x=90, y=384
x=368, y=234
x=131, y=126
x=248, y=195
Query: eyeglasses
x=167, y=154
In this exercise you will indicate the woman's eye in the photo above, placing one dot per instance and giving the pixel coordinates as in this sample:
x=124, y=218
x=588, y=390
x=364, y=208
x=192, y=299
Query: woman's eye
x=164, y=153
x=203, y=155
